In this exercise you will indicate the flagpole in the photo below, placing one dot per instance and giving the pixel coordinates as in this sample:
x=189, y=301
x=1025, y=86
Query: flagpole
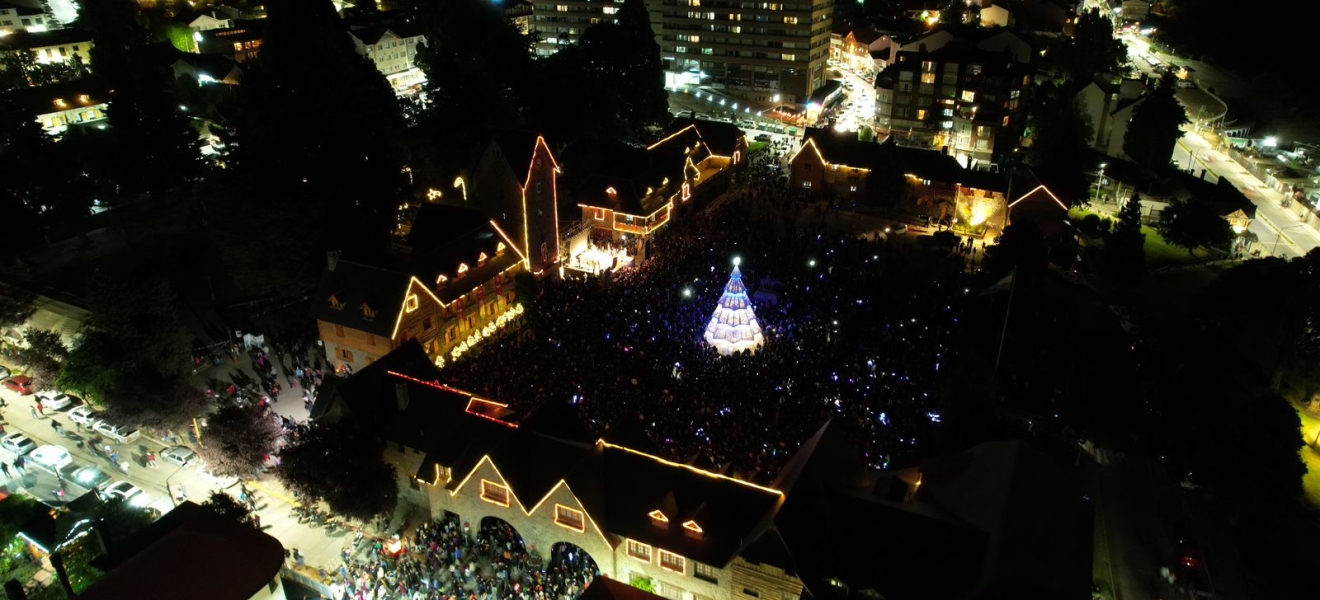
x=1012, y=285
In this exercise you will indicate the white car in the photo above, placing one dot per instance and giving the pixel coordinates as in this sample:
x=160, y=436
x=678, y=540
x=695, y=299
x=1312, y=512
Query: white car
x=54, y=400
x=90, y=476
x=220, y=481
x=50, y=457
x=129, y=493
x=84, y=415
x=119, y=433
x=179, y=455
x=17, y=443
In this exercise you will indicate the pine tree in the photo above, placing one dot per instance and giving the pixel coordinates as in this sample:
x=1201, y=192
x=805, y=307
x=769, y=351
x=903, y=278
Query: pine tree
x=1156, y=126
x=1125, y=250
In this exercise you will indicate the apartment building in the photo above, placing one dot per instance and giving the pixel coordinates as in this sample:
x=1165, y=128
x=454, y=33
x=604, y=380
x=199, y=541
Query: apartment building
x=393, y=49
x=762, y=52
x=558, y=23
x=56, y=45
x=24, y=16
x=968, y=95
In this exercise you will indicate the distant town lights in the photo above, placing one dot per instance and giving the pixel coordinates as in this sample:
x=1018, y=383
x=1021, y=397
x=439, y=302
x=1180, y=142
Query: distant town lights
x=1270, y=142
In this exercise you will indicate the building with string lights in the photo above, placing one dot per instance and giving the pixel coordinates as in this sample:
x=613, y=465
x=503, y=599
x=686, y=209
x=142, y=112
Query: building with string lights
x=995, y=520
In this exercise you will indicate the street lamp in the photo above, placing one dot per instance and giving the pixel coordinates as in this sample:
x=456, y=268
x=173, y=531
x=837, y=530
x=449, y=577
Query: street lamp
x=1099, y=176
x=1278, y=235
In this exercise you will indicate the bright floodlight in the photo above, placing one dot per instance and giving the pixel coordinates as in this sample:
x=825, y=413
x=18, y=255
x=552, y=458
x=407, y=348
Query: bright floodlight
x=1270, y=142
x=737, y=260
x=733, y=327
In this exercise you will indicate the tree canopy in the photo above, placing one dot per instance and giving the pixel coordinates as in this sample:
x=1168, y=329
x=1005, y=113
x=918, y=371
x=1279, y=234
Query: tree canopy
x=237, y=440
x=1156, y=126
x=1092, y=48
x=340, y=464
x=133, y=354
x=44, y=357
x=1060, y=140
x=1194, y=224
x=1124, y=257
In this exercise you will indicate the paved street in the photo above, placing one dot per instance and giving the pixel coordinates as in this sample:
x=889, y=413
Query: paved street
x=1279, y=232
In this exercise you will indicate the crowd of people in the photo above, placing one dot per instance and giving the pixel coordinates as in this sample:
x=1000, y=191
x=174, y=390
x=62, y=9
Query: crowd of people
x=448, y=560
x=857, y=330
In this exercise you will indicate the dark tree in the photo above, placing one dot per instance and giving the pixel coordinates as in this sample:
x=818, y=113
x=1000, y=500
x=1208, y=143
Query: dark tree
x=227, y=506
x=237, y=439
x=44, y=357
x=1092, y=48
x=478, y=67
x=318, y=121
x=247, y=234
x=20, y=69
x=1125, y=250
x=116, y=28
x=15, y=306
x=25, y=188
x=1156, y=126
x=133, y=355
x=157, y=147
x=340, y=464
x=637, y=74
x=1060, y=136
x=1193, y=224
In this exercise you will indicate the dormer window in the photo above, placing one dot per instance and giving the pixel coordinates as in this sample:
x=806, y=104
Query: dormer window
x=367, y=313
x=692, y=530
x=611, y=192
x=462, y=268
x=481, y=260
x=658, y=518
x=336, y=303
x=411, y=303
x=441, y=281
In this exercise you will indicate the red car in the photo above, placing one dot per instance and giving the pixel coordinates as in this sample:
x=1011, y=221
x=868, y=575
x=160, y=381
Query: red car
x=21, y=385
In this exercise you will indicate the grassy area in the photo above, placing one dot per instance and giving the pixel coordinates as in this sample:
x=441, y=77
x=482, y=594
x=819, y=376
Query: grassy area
x=756, y=147
x=1158, y=251
x=1310, y=456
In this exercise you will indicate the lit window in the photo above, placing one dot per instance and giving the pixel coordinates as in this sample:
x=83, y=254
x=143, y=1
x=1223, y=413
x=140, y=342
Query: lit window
x=673, y=562
x=691, y=528
x=928, y=78
x=968, y=96
x=1005, y=121
x=658, y=518
x=609, y=10
x=852, y=188
x=567, y=517
x=806, y=185
x=462, y=268
x=788, y=57
x=639, y=551
x=687, y=191
x=921, y=114
x=928, y=67
x=600, y=214
x=561, y=7
x=411, y=303
x=706, y=572
x=494, y=493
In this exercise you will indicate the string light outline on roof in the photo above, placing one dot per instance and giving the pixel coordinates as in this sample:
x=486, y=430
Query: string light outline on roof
x=690, y=468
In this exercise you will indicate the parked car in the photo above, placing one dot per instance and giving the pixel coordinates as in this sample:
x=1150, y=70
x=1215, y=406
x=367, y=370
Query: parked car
x=50, y=457
x=764, y=137
x=84, y=415
x=88, y=476
x=180, y=455
x=220, y=481
x=899, y=228
x=119, y=433
x=21, y=385
x=54, y=400
x=129, y=493
x=18, y=443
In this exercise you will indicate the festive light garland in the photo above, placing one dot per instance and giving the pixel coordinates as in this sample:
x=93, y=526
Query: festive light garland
x=475, y=337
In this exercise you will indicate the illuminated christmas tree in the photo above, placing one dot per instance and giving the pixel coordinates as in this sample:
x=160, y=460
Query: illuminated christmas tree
x=733, y=327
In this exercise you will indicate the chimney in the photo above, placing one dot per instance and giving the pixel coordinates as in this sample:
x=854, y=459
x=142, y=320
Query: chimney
x=401, y=395
x=332, y=259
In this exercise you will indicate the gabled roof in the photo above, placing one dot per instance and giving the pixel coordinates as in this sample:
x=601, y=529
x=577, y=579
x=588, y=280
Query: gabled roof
x=41, y=100
x=369, y=35
x=841, y=148
x=444, y=238
x=218, y=66
x=518, y=148
x=617, y=194
x=350, y=285
x=730, y=512
x=604, y=588
x=193, y=552
x=28, y=40
x=22, y=9
x=720, y=137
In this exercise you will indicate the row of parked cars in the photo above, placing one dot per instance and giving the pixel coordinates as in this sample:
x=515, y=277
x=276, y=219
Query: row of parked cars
x=80, y=413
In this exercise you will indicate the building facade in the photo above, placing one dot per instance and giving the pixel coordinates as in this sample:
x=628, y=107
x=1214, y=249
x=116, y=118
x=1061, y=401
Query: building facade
x=755, y=51
x=54, y=46
x=558, y=23
x=969, y=96
x=393, y=50
x=818, y=530
x=16, y=16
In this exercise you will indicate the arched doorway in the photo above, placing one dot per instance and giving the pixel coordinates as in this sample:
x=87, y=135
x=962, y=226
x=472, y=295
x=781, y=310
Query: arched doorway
x=569, y=569
x=503, y=535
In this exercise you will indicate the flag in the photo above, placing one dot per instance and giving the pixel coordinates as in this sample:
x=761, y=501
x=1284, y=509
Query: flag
x=1002, y=284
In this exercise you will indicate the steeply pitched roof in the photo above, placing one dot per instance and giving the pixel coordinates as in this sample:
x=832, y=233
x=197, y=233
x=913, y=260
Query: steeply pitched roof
x=443, y=237
x=720, y=137
x=27, y=40
x=193, y=552
x=604, y=588
x=729, y=512
x=346, y=288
